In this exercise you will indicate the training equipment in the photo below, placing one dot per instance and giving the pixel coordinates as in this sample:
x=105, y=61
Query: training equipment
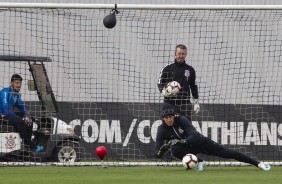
x=101, y=152
x=173, y=88
x=110, y=20
x=189, y=161
x=105, y=80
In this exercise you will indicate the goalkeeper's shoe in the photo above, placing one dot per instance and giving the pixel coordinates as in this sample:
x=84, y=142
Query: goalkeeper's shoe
x=201, y=166
x=264, y=166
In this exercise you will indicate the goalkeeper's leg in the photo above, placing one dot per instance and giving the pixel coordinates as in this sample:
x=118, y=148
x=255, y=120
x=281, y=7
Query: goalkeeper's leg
x=212, y=148
x=219, y=150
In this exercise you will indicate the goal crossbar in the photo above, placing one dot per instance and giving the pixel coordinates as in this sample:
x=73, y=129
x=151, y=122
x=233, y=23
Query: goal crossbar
x=139, y=6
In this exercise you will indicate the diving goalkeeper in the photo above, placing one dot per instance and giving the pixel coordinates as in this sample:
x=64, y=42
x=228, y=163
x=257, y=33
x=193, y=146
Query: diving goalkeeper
x=183, y=138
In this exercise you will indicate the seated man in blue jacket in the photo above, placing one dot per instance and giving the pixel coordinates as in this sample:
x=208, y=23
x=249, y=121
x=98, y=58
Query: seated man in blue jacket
x=10, y=99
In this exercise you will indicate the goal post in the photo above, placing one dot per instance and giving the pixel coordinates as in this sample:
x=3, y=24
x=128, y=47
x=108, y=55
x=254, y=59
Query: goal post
x=104, y=80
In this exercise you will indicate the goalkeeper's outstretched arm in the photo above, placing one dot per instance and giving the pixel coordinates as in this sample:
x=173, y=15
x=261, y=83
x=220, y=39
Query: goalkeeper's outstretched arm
x=160, y=147
x=157, y=148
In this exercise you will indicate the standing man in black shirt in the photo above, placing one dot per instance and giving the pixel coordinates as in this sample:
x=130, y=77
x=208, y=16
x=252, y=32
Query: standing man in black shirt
x=185, y=75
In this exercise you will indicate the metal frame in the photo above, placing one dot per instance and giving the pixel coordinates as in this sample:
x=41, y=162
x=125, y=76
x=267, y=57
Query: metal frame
x=139, y=6
x=24, y=58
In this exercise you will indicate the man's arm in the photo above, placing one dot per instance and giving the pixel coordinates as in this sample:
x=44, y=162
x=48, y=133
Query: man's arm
x=7, y=111
x=163, y=79
x=5, y=103
x=160, y=147
x=26, y=114
x=193, y=85
x=159, y=142
x=194, y=91
x=20, y=104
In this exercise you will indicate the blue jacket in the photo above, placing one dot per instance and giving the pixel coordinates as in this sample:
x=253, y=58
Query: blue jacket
x=9, y=100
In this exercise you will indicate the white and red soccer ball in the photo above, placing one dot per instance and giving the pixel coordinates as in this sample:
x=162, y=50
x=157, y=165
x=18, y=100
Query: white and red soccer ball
x=173, y=87
x=190, y=161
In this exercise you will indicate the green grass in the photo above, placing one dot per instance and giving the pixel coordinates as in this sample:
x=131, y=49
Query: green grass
x=136, y=175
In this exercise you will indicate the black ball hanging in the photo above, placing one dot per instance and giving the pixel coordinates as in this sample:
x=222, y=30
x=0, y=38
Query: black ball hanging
x=110, y=20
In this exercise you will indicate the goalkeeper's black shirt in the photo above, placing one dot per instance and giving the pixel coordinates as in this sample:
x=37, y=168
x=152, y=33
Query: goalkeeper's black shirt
x=181, y=129
x=185, y=75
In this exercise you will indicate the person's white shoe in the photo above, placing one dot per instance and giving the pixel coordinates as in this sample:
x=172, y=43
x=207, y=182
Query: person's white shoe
x=264, y=166
x=201, y=166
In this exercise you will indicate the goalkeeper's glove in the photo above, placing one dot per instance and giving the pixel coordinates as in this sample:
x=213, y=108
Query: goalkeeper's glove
x=163, y=150
x=196, y=106
x=176, y=141
x=166, y=93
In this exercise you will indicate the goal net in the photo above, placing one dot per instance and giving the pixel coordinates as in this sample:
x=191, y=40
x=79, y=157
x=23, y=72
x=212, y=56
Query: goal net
x=104, y=81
